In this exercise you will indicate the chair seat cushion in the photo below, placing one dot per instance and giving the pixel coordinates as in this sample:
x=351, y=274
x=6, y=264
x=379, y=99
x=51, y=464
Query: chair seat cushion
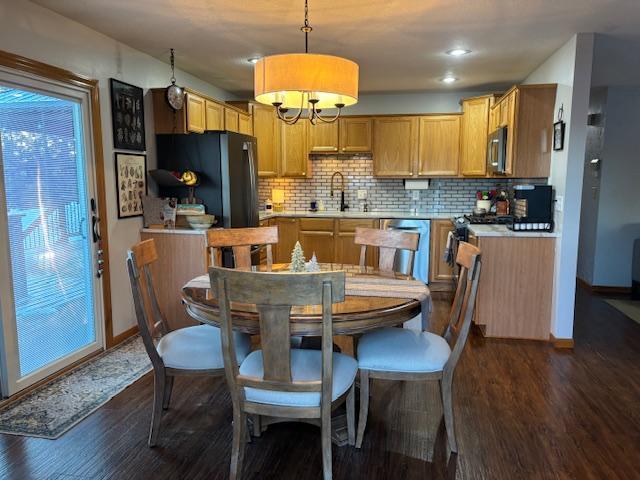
x=402, y=350
x=198, y=348
x=306, y=365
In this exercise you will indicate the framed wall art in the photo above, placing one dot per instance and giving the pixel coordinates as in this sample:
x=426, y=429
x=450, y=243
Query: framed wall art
x=131, y=178
x=127, y=116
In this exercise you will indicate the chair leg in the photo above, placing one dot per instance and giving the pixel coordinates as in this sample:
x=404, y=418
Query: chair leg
x=159, y=381
x=325, y=433
x=257, y=425
x=351, y=415
x=237, y=445
x=447, y=407
x=168, y=389
x=364, y=406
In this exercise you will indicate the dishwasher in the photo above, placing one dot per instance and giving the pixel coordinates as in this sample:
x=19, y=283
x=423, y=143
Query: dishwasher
x=421, y=257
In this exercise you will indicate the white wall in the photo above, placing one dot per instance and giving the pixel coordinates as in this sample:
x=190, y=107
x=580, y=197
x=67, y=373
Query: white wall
x=570, y=68
x=591, y=186
x=423, y=102
x=619, y=198
x=32, y=31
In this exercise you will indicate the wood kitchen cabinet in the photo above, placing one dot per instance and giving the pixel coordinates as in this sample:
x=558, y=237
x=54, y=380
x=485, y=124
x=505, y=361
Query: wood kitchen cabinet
x=474, y=136
x=287, y=238
x=395, y=146
x=323, y=137
x=266, y=129
x=214, y=115
x=439, y=270
x=245, y=125
x=195, y=108
x=230, y=120
x=528, y=112
x=294, y=152
x=317, y=235
x=355, y=134
x=346, y=250
x=438, y=145
x=516, y=287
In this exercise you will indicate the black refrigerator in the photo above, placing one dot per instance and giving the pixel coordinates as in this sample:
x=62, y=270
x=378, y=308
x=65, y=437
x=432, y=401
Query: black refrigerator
x=226, y=163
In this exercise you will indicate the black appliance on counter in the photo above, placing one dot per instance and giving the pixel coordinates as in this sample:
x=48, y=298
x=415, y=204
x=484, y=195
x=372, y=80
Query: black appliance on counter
x=226, y=164
x=532, y=208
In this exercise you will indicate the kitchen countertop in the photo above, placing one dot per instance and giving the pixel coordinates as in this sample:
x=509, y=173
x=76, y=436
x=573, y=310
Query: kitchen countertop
x=175, y=231
x=503, y=231
x=372, y=214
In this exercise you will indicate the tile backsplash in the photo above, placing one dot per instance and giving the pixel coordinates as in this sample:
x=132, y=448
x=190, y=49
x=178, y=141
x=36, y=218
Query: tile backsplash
x=444, y=196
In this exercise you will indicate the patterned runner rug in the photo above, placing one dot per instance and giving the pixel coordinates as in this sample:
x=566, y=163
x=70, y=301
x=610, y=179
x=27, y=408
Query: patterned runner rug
x=52, y=409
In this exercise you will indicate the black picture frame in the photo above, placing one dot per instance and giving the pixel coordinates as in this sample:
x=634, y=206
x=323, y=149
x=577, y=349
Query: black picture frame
x=558, y=135
x=127, y=116
x=131, y=183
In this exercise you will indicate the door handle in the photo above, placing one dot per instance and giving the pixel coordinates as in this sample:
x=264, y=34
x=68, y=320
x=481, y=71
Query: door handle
x=95, y=222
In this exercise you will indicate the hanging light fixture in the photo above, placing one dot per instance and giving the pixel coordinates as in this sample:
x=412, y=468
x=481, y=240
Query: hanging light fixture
x=306, y=81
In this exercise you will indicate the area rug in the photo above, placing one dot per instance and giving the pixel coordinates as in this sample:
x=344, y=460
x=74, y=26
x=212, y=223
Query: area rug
x=52, y=409
x=631, y=308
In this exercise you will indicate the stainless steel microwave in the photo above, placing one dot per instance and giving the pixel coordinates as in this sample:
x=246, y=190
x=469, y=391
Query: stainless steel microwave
x=497, y=151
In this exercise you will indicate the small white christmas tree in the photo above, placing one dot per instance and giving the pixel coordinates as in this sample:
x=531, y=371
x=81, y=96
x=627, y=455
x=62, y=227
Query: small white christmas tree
x=312, y=265
x=297, y=259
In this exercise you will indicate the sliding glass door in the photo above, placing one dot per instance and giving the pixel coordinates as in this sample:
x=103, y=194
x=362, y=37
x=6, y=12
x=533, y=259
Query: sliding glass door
x=50, y=294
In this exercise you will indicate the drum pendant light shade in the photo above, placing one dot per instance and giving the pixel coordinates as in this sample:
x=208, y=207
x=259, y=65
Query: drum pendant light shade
x=294, y=79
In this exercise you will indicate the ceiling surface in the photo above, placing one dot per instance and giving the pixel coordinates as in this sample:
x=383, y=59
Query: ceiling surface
x=399, y=44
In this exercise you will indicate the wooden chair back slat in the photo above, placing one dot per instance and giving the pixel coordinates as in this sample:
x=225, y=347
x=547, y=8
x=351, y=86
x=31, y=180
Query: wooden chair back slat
x=240, y=240
x=151, y=322
x=457, y=330
x=388, y=243
x=274, y=294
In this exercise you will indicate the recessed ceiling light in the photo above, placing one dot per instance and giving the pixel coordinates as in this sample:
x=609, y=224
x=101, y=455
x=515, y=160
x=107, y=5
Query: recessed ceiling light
x=448, y=79
x=458, y=52
x=253, y=60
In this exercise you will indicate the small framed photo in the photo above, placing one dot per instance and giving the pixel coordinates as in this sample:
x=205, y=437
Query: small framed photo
x=131, y=178
x=558, y=135
x=127, y=116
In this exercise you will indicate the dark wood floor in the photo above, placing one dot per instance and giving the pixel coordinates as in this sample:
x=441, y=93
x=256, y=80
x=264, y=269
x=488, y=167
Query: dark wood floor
x=524, y=411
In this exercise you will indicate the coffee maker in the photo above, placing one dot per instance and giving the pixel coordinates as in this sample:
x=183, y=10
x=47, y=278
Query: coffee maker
x=532, y=208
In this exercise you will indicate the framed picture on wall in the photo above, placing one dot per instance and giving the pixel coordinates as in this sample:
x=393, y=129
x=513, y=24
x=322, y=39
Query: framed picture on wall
x=131, y=179
x=127, y=116
x=558, y=135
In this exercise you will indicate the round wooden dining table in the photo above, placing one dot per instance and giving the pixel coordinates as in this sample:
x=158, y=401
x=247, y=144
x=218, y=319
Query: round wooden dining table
x=357, y=314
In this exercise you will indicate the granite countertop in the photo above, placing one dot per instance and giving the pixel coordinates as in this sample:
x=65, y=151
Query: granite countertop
x=175, y=231
x=372, y=214
x=503, y=231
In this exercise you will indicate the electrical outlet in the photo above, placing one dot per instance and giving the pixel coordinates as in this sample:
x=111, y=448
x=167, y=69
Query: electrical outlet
x=362, y=194
x=415, y=195
x=559, y=203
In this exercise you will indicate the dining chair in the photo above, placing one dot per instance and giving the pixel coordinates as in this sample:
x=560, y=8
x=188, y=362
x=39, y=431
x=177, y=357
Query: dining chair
x=195, y=351
x=388, y=242
x=404, y=354
x=278, y=382
x=241, y=240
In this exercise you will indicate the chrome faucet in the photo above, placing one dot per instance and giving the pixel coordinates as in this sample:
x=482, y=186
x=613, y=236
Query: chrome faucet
x=343, y=206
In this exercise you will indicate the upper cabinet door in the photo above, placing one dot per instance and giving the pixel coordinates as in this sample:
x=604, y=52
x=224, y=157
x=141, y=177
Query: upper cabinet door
x=266, y=129
x=244, y=124
x=195, y=113
x=439, y=145
x=473, y=151
x=214, y=113
x=395, y=142
x=230, y=120
x=294, y=158
x=323, y=137
x=355, y=134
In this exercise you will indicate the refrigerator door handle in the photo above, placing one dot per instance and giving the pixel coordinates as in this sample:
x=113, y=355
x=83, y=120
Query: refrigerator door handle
x=248, y=146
